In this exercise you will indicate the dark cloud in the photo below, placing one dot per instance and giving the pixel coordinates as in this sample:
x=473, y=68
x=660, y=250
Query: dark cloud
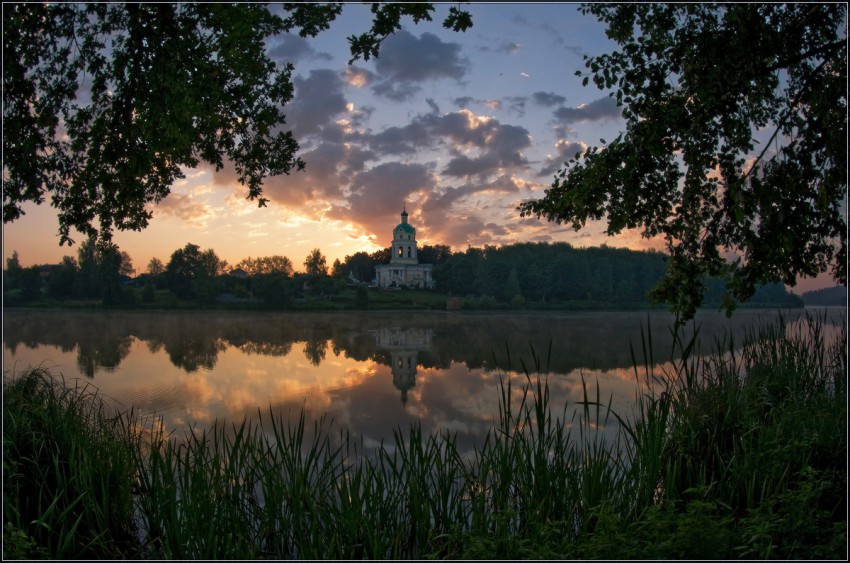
x=464, y=101
x=566, y=150
x=598, y=110
x=292, y=48
x=500, y=147
x=548, y=99
x=448, y=225
x=462, y=165
x=504, y=183
x=328, y=169
x=318, y=101
x=496, y=145
x=406, y=61
x=401, y=140
x=376, y=196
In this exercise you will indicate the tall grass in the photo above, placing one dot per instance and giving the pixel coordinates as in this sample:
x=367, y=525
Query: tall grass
x=67, y=472
x=740, y=453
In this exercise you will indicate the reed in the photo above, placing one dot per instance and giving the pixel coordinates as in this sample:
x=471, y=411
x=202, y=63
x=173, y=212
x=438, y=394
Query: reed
x=739, y=453
x=67, y=472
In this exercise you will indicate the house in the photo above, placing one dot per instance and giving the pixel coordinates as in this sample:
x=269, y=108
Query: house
x=238, y=273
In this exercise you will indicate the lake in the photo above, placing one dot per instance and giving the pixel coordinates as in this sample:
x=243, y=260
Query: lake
x=368, y=372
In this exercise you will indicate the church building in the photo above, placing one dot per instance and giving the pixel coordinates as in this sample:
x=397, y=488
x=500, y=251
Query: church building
x=404, y=269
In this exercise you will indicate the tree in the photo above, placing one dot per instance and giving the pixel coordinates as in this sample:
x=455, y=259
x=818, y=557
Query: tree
x=337, y=271
x=271, y=288
x=697, y=84
x=87, y=282
x=125, y=267
x=315, y=263
x=436, y=254
x=61, y=282
x=190, y=270
x=12, y=277
x=109, y=269
x=30, y=284
x=103, y=104
x=361, y=265
x=267, y=265
x=156, y=267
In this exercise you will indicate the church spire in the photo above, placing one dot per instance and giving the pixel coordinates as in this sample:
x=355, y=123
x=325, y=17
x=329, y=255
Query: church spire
x=404, y=214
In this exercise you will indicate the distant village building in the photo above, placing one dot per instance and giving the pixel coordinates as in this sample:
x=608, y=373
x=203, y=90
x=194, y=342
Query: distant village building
x=404, y=269
x=238, y=273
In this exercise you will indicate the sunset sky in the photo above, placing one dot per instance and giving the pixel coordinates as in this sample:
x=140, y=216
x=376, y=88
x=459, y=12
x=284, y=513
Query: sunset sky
x=459, y=127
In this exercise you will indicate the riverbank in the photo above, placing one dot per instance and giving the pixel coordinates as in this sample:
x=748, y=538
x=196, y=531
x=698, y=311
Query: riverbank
x=352, y=299
x=714, y=466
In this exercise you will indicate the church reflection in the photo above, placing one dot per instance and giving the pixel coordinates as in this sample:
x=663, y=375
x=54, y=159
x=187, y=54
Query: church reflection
x=404, y=346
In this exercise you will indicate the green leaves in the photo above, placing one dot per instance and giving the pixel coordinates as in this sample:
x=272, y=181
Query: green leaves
x=700, y=85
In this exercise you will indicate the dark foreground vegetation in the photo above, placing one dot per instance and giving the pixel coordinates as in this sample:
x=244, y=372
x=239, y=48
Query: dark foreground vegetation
x=734, y=455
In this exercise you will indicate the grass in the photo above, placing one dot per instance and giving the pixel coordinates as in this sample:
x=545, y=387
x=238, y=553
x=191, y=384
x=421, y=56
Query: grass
x=733, y=454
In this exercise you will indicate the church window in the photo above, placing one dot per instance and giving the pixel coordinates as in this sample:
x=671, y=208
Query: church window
x=408, y=252
x=400, y=252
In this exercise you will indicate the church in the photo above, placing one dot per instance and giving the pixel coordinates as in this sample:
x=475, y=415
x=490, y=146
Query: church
x=404, y=269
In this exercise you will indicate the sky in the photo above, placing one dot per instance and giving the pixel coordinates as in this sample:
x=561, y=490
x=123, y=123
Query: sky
x=458, y=128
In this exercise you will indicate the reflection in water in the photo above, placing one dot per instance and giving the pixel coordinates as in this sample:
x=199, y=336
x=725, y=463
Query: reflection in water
x=404, y=347
x=196, y=367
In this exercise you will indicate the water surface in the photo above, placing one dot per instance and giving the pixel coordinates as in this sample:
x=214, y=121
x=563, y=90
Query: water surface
x=368, y=372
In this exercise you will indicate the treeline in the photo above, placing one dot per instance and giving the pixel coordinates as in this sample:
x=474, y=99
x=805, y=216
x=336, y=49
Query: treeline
x=521, y=275
x=547, y=274
x=827, y=297
x=105, y=275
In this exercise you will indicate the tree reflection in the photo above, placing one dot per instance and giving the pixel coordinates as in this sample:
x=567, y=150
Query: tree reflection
x=193, y=340
x=315, y=350
x=102, y=353
x=190, y=354
x=266, y=348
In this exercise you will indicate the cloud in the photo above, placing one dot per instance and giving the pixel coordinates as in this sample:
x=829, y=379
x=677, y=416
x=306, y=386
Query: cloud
x=358, y=77
x=499, y=146
x=186, y=208
x=566, y=150
x=466, y=101
x=376, y=196
x=548, y=99
x=494, y=145
x=597, y=110
x=555, y=35
x=517, y=104
x=406, y=61
x=506, y=47
x=318, y=101
x=328, y=169
x=292, y=48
